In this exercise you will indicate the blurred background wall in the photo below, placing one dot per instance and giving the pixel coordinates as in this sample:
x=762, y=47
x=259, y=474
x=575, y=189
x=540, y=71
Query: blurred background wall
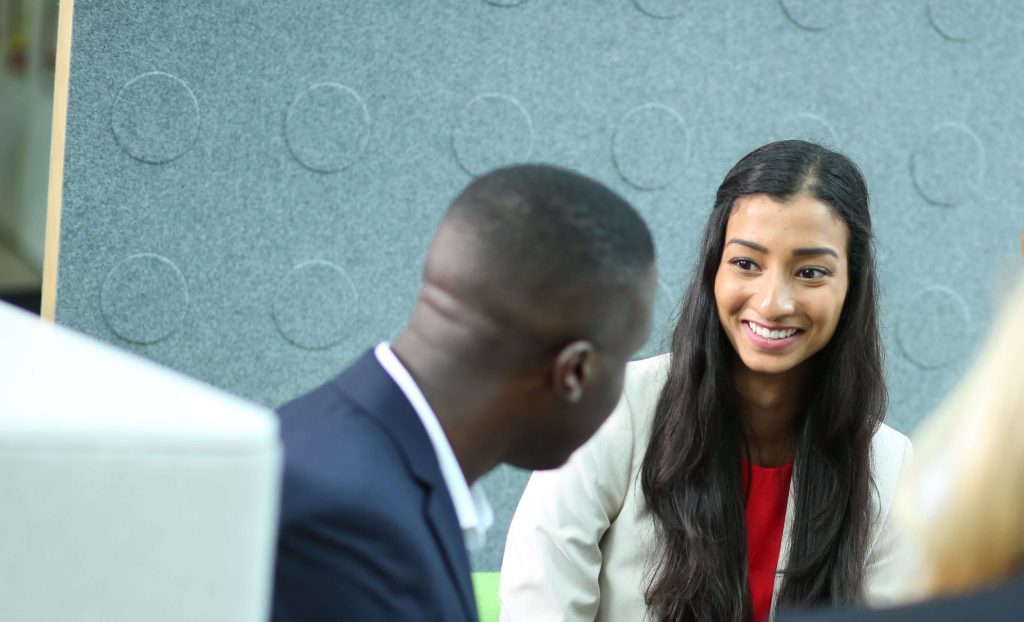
x=28, y=38
x=250, y=187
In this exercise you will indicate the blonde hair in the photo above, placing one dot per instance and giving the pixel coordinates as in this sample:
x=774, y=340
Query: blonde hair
x=962, y=503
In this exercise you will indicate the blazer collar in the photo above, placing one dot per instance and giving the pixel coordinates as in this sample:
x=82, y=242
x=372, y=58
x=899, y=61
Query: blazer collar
x=370, y=386
x=787, y=534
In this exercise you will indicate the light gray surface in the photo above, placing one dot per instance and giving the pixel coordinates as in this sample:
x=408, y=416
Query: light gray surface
x=131, y=492
x=290, y=160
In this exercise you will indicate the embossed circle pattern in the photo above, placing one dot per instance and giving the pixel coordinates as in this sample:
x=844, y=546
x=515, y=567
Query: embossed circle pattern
x=651, y=146
x=327, y=127
x=663, y=9
x=933, y=328
x=948, y=164
x=813, y=15
x=313, y=304
x=958, y=20
x=144, y=298
x=155, y=117
x=809, y=127
x=492, y=130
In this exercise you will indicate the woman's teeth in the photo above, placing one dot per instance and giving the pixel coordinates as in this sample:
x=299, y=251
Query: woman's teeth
x=772, y=334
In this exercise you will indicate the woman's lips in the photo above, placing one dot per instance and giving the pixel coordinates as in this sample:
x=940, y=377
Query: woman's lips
x=768, y=342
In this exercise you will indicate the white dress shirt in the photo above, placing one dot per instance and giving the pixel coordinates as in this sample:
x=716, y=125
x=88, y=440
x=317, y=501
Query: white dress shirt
x=471, y=506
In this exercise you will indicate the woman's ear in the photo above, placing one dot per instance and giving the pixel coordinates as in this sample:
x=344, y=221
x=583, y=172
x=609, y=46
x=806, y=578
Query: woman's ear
x=574, y=370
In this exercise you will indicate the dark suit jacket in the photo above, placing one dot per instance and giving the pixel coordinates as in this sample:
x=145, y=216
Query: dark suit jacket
x=1003, y=603
x=368, y=530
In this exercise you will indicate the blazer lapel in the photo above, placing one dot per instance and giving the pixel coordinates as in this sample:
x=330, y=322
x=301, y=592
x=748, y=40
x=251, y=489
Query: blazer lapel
x=441, y=515
x=787, y=530
x=369, y=385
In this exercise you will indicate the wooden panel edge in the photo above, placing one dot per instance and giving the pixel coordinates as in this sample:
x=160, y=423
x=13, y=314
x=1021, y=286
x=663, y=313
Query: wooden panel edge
x=62, y=70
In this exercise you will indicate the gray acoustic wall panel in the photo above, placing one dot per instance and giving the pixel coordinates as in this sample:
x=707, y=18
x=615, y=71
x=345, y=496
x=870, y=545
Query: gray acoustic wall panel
x=250, y=186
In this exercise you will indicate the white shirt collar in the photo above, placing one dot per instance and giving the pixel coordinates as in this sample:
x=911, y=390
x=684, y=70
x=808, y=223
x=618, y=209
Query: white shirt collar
x=471, y=506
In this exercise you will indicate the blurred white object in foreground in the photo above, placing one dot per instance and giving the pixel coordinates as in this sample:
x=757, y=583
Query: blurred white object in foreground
x=128, y=491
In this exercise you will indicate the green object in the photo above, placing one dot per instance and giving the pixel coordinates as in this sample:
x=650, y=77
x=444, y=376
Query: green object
x=485, y=585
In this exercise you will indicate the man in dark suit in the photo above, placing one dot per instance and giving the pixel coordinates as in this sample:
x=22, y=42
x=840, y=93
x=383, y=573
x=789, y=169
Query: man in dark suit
x=1000, y=603
x=537, y=288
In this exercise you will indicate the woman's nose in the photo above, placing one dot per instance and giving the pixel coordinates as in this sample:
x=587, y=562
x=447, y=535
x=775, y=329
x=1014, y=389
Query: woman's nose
x=774, y=298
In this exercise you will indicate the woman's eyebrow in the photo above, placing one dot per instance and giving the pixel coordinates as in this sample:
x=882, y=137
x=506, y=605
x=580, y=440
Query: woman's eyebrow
x=818, y=250
x=753, y=245
x=799, y=252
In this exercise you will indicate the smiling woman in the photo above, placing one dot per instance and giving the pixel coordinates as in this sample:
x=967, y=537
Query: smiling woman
x=748, y=469
x=782, y=280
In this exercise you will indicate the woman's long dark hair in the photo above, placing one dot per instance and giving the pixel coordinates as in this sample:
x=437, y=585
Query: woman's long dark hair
x=691, y=472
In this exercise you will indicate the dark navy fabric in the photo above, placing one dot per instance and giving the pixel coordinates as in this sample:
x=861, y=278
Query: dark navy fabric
x=1002, y=603
x=368, y=530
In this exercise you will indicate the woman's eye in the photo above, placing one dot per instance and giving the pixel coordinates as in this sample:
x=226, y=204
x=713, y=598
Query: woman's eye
x=744, y=264
x=813, y=274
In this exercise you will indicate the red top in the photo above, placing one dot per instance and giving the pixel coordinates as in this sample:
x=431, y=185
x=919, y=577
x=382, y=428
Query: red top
x=766, y=513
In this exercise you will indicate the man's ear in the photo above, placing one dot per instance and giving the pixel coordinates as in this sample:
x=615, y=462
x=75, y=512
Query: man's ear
x=574, y=367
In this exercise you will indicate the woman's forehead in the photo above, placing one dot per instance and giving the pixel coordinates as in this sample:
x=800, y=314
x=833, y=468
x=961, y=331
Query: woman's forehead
x=797, y=222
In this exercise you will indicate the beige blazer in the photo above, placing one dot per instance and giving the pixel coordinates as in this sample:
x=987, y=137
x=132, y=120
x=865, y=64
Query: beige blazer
x=580, y=543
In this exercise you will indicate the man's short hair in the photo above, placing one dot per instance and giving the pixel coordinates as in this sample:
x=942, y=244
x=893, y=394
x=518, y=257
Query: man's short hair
x=552, y=227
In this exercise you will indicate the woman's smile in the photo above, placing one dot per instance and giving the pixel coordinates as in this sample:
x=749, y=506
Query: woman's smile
x=770, y=338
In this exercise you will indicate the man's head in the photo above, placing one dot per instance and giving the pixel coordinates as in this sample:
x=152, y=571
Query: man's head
x=540, y=283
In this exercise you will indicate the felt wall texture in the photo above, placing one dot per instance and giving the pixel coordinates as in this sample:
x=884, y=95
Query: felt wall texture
x=250, y=187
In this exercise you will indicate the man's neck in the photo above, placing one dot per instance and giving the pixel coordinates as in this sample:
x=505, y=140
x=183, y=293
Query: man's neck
x=459, y=399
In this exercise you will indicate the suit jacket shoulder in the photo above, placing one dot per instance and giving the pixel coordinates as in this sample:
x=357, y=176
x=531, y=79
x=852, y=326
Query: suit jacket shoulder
x=891, y=454
x=367, y=527
x=335, y=453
